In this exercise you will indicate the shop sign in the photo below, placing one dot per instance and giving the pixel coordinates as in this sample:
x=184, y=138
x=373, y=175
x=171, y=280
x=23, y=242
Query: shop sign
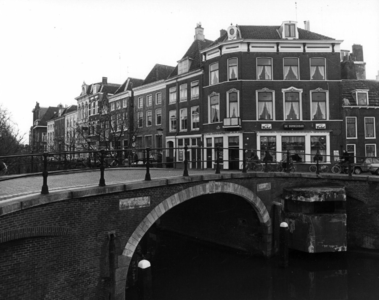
x=293, y=126
x=266, y=126
x=320, y=126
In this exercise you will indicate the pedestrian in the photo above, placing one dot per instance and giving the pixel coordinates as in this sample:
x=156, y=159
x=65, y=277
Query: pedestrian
x=3, y=168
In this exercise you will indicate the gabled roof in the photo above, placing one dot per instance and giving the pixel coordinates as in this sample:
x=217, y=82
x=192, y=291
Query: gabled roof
x=193, y=53
x=109, y=88
x=48, y=114
x=158, y=72
x=129, y=84
x=269, y=33
x=349, y=86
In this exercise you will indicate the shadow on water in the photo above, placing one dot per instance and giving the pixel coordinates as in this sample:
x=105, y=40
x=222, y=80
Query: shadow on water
x=187, y=270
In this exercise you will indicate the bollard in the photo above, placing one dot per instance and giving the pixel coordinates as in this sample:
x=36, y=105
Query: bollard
x=102, y=180
x=147, y=176
x=244, y=161
x=217, y=160
x=45, y=188
x=144, y=282
x=185, y=172
x=283, y=245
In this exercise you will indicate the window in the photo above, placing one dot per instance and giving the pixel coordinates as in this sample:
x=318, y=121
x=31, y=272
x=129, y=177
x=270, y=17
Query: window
x=350, y=148
x=96, y=107
x=233, y=104
x=219, y=144
x=265, y=105
x=351, y=127
x=194, y=90
x=292, y=104
x=318, y=68
x=183, y=92
x=268, y=143
x=361, y=97
x=289, y=30
x=183, y=119
x=370, y=150
x=183, y=66
x=195, y=118
x=294, y=144
x=140, y=119
x=213, y=73
x=318, y=105
x=148, y=141
x=172, y=116
x=89, y=109
x=291, y=68
x=264, y=68
x=370, y=128
x=149, y=118
x=214, y=108
x=112, y=106
x=318, y=143
x=149, y=100
x=118, y=104
x=140, y=102
x=232, y=69
x=158, y=98
x=172, y=96
x=158, y=116
x=124, y=103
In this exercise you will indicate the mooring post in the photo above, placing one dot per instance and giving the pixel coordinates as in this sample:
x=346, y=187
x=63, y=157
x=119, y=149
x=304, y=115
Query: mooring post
x=185, y=172
x=45, y=188
x=102, y=180
x=147, y=176
x=283, y=245
x=244, y=161
x=144, y=281
x=218, y=160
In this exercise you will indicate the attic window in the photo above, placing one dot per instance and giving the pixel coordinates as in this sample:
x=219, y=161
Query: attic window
x=361, y=97
x=184, y=66
x=289, y=30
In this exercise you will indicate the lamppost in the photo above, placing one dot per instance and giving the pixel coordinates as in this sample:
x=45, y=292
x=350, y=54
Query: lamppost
x=159, y=146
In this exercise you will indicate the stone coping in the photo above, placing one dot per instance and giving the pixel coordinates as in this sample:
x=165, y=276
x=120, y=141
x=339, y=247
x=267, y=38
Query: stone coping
x=28, y=201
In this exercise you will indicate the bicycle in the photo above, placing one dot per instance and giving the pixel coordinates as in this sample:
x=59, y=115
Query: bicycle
x=254, y=166
x=338, y=168
x=322, y=168
x=282, y=166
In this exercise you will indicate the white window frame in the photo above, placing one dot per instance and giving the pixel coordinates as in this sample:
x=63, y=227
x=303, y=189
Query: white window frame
x=195, y=86
x=366, y=149
x=310, y=66
x=293, y=90
x=209, y=108
x=265, y=90
x=156, y=116
x=320, y=90
x=140, y=102
x=193, y=108
x=289, y=36
x=183, y=113
x=149, y=113
x=172, y=95
x=355, y=150
x=356, y=129
x=183, y=91
x=211, y=72
x=272, y=68
x=227, y=103
x=124, y=103
x=112, y=106
x=228, y=64
x=149, y=100
x=298, y=68
x=158, y=98
x=140, y=116
x=373, y=137
x=172, y=116
x=361, y=92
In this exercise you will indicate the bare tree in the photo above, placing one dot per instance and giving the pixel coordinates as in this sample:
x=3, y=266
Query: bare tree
x=10, y=137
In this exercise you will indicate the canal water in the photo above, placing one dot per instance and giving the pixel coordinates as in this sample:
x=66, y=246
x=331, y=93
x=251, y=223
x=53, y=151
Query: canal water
x=183, y=269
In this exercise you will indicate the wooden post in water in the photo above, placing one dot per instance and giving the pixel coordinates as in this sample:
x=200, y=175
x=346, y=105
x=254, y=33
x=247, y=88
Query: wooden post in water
x=145, y=289
x=283, y=245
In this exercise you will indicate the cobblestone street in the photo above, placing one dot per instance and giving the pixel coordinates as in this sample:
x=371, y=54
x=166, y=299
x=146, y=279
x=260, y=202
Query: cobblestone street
x=33, y=184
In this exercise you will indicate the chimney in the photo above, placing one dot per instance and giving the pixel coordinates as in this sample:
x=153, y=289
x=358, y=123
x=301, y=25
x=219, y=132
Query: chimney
x=105, y=80
x=222, y=32
x=199, y=32
x=307, y=26
x=360, y=65
x=358, y=52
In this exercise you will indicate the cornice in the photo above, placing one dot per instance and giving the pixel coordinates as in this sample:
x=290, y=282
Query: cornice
x=151, y=87
x=194, y=73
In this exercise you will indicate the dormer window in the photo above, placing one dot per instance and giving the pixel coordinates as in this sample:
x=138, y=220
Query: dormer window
x=184, y=65
x=361, y=97
x=288, y=30
x=232, y=32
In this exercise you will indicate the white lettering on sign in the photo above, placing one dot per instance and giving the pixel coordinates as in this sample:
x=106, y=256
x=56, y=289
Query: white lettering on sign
x=266, y=126
x=264, y=186
x=133, y=203
x=320, y=126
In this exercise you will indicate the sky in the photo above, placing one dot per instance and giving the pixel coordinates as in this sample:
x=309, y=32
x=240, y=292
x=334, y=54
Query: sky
x=50, y=47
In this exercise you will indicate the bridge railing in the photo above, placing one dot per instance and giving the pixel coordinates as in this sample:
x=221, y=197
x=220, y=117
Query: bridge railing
x=186, y=157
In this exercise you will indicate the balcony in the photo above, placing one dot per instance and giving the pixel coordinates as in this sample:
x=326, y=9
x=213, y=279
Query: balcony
x=232, y=123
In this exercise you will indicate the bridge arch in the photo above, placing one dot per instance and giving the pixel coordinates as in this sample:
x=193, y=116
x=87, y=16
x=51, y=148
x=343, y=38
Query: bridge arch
x=187, y=194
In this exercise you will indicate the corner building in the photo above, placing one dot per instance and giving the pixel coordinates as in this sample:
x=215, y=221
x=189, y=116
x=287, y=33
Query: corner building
x=272, y=88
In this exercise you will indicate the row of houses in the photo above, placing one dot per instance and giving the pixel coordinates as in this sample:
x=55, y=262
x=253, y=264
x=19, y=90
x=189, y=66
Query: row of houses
x=269, y=88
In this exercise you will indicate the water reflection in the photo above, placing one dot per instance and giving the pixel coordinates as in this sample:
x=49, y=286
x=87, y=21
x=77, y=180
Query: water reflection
x=183, y=269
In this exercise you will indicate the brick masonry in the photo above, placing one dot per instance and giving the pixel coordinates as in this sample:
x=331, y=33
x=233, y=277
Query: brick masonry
x=58, y=246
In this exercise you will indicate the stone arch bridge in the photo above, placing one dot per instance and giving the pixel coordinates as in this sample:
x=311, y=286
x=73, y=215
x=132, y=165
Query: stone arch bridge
x=78, y=244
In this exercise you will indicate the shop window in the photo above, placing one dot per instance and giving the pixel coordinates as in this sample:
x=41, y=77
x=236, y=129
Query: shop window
x=268, y=143
x=318, y=105
x=264, y=68
x=318, y=143
x=295, y=145
x=318, y=69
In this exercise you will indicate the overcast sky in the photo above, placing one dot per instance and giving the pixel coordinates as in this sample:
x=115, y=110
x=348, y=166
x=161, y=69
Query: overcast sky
x=49, y=47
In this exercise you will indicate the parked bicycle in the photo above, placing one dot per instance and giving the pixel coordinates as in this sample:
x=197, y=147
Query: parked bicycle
x=322, y=168
x=255, y=165
x=341, y=168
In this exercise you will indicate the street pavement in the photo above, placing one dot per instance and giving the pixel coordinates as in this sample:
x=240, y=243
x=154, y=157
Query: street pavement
x=32, y=184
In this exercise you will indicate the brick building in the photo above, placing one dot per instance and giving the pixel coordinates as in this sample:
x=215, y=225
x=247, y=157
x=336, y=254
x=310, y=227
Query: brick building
x=272, y=88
